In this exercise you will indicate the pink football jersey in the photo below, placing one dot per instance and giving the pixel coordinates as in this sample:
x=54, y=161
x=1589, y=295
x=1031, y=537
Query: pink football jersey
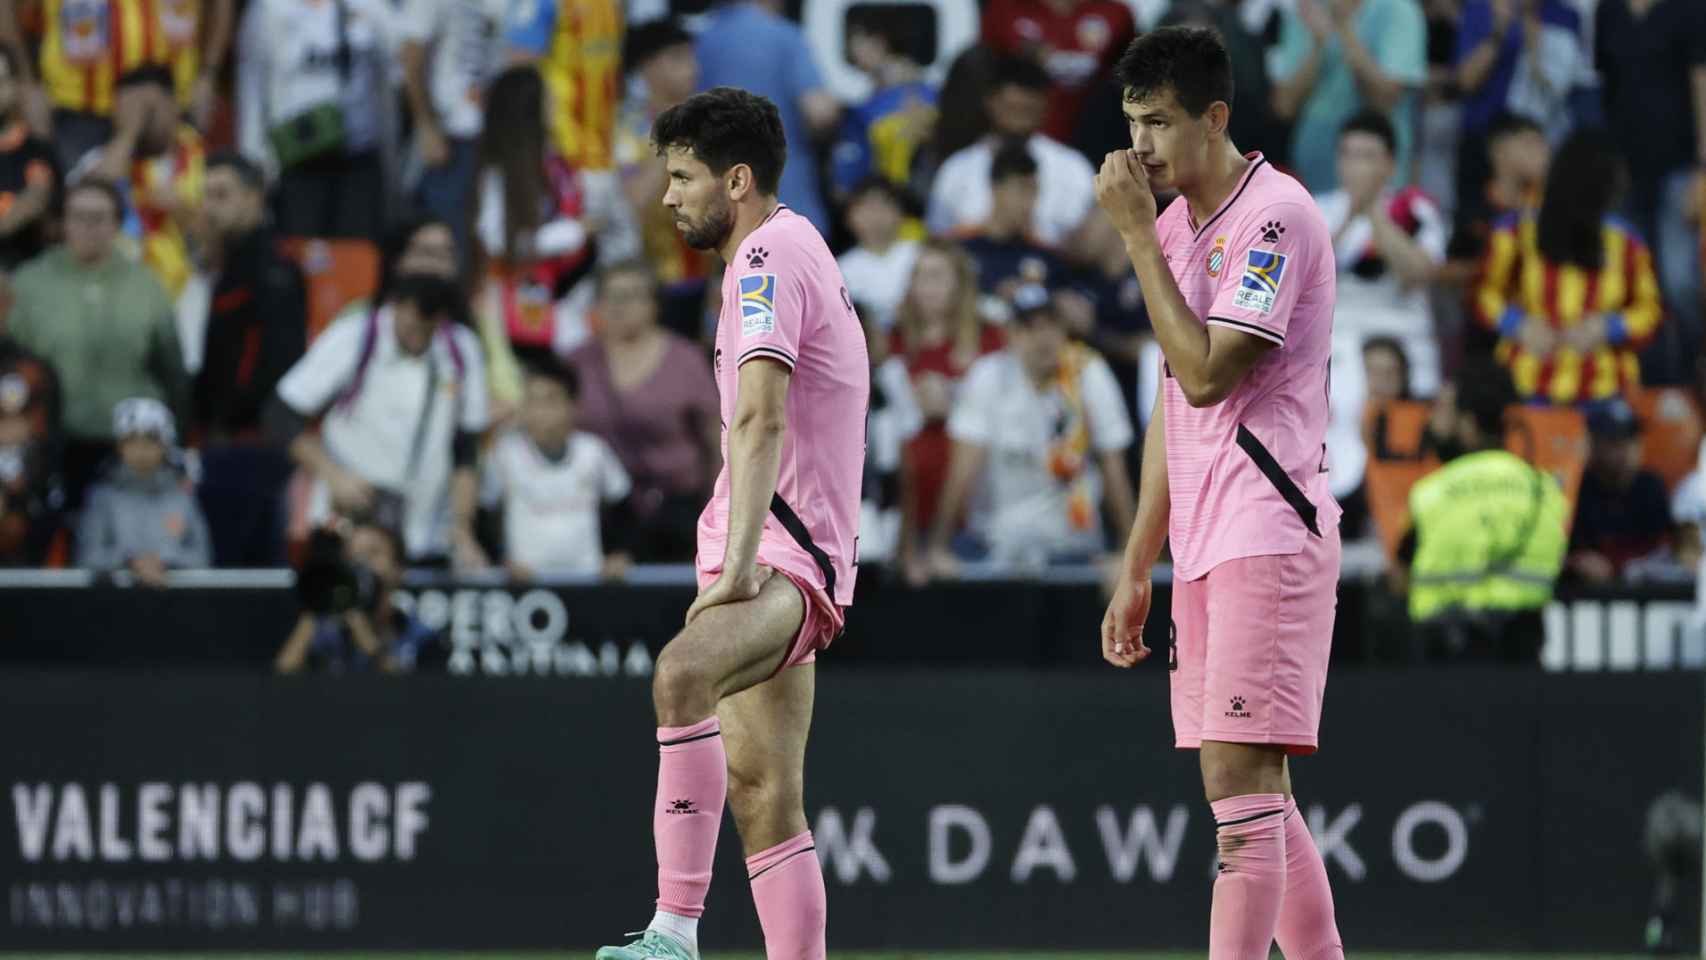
x=784, y=300
x=1248, y=475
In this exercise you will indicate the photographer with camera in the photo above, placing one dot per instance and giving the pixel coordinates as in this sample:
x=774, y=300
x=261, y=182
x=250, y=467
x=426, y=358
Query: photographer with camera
x=401, y=392
x=348, y=623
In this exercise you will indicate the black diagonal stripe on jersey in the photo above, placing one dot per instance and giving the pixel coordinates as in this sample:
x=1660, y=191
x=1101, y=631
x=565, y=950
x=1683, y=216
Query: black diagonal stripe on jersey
x=796, y=528
x=1277, y=476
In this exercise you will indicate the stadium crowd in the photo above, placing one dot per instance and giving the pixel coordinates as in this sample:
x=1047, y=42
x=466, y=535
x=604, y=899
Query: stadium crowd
x=404, y=264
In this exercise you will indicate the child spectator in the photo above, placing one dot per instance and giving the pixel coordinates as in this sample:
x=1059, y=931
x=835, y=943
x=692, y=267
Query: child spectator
x=938, y=334
x=144, y=516
x=1622, y=511
x=878, y=267
x=882, y=136
x=552, y=481
x=1571, y=291
x=1005, y=247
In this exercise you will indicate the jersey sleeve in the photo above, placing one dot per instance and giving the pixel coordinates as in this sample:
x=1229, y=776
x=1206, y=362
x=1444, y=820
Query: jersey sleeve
x=1269, y=261
x=613, y=482
x=772, y=292
x=326, y=369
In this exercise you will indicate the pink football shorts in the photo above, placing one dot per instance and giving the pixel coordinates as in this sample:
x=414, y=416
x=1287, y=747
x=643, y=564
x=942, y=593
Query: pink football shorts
x=1251, y=641
x=818, y=629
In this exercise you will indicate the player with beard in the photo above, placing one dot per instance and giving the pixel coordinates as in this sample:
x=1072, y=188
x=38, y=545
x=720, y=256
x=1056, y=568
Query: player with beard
x=777, y=544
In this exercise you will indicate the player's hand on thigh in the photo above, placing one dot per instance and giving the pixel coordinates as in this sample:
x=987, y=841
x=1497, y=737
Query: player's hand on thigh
x=1122, y=625
x=731, y=588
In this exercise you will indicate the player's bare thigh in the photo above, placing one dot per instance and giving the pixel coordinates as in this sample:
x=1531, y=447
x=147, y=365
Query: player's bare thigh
x=765, y=728
x=725, y=650
x=1241, y=769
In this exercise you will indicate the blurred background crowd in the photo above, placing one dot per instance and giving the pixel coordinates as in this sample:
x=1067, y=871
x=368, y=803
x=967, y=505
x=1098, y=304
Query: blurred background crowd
x=403, y=264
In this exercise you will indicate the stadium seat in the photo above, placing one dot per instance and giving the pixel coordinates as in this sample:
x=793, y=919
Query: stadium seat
x=1403, y=422
x=1671, y=431
x=338, y=273
x=1555, y=439
x=1388, y=484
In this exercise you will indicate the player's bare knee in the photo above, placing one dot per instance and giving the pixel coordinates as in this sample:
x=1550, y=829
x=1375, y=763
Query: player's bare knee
x=682, y=691
x=1237, y=769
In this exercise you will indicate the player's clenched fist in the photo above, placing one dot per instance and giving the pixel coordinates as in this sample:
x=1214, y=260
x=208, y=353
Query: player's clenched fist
x=1122, y=190
x=1122, y=625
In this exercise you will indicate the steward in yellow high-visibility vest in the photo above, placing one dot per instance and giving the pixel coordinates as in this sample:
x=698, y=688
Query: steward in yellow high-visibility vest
x=1488, y=534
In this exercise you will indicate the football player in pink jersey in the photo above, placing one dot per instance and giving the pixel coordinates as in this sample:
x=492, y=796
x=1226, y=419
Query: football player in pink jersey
x=777, y=544
x=1239, y=279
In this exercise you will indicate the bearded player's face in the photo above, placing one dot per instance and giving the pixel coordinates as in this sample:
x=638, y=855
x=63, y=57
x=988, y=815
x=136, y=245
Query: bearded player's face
x=699, y=199
x=1171, y=144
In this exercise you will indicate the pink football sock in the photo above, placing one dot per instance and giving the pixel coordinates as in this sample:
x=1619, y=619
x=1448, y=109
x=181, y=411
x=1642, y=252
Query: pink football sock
x=787, y=886
x=1251, y=885
x=693, y=778
x=1306, y=928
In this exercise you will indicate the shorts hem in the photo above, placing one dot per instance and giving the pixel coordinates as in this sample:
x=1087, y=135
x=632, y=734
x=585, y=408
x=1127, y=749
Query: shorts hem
x=1296, y=744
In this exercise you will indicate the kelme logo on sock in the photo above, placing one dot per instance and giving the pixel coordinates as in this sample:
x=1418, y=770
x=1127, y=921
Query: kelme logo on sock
x=681, y=807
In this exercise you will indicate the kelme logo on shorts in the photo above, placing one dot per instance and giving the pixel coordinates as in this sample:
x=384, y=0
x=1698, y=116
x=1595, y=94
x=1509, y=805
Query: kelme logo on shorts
x=1238, y=712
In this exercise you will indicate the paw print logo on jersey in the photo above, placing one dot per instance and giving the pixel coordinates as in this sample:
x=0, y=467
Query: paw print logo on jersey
x=1238, y=712
x=1271, y=231
x=755, y=259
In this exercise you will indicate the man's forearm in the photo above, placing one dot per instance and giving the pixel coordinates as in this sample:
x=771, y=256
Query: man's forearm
x=1149, y=529
x=964, y=464
x=309, y=452
x=464, y=499
x=1372, y=82
x=1291, y=92
x=1182, y=335
x=1473, y=71
x=1408, y=258
x=755, y=461
x=415, y=85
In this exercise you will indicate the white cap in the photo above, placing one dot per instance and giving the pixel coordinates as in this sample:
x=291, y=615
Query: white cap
x=144, y=415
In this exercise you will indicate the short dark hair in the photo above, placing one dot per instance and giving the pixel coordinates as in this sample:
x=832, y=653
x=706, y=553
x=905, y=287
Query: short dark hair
x=1507, y=124
x=726, y=126
x=1013, y=71
x=246, y=170
x=150, y=76
x=106, y=188
x=431, y=295
x=895, y=32
x=558, y=373
x=1190, y=61
x=876, y=183
x=1375, y=124
x=1012, y=159
x=651, y=38
x=639, y=265
x=1484, y=390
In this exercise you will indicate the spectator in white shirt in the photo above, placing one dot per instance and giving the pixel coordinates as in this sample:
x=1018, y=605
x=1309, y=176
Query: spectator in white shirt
x=554, y=482
x=401, y=392
x=451, y=49
x=315, y=110
x=879, y=265
x=1040, y=432
x=962, y=196
x=1388, y=244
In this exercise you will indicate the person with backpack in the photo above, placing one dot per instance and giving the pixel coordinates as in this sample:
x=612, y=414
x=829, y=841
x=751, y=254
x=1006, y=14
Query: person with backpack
x=400, y=392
